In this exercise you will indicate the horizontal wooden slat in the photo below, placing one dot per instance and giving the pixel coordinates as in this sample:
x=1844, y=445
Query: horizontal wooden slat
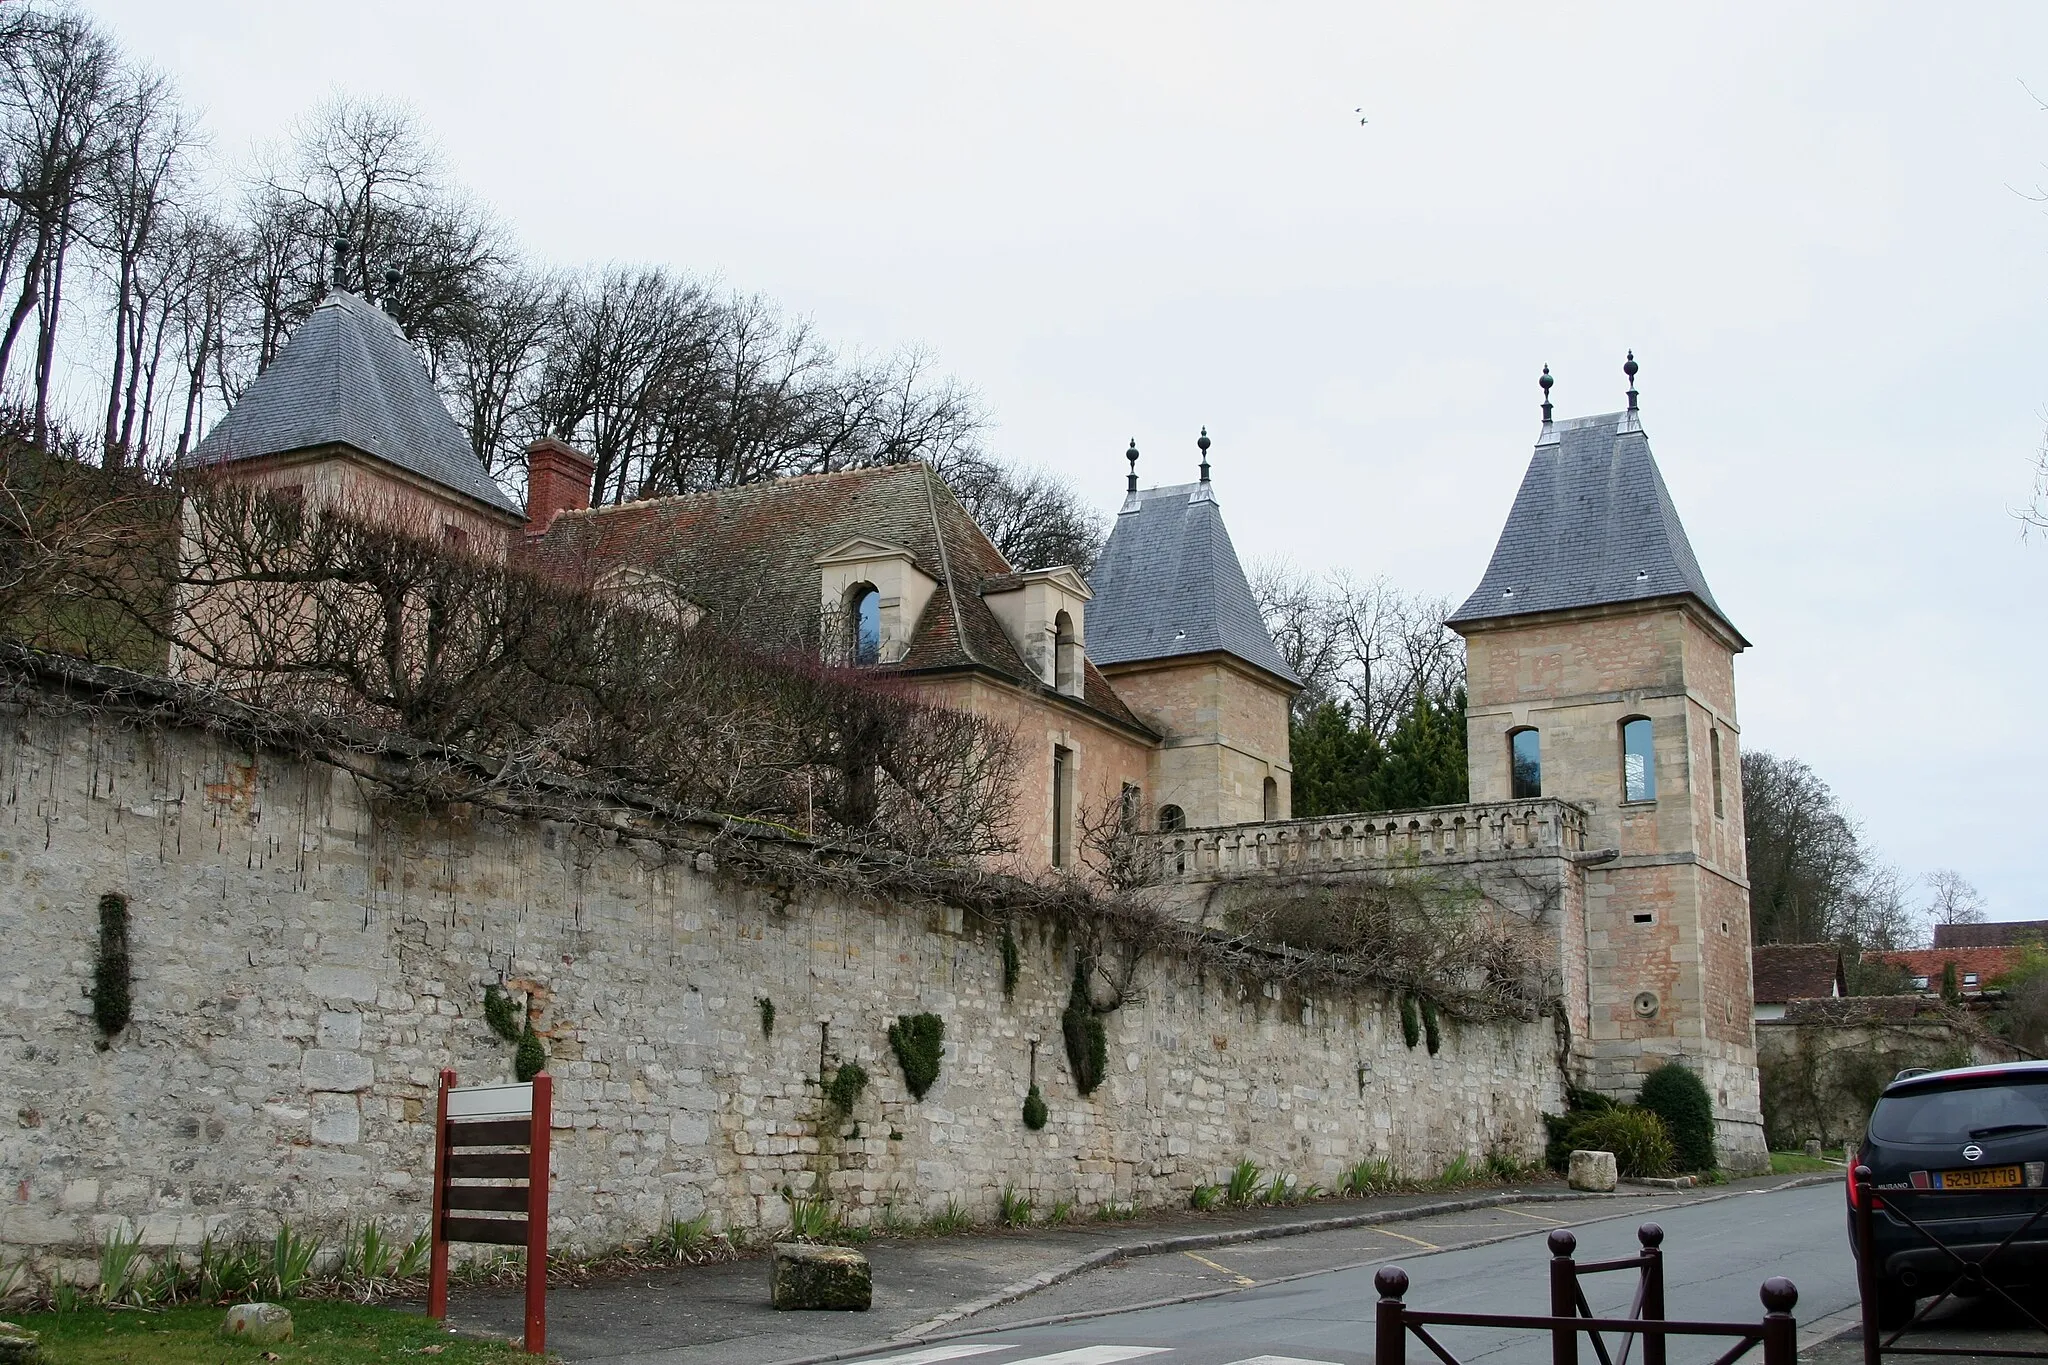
x=504, y=1232
x=497, y=1198
x=499, y=1133
x=488, y=1165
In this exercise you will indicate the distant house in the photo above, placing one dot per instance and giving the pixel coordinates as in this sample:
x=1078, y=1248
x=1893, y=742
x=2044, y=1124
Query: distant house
x=2007, y=934
x=1976, y=968
x=1784, y=972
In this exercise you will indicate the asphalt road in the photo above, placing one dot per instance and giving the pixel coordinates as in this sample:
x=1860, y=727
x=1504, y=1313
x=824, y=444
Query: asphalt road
x=1716, y=1256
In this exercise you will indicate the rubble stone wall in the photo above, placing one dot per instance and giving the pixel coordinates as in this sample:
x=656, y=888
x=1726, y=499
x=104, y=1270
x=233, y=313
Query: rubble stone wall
x=305, y=961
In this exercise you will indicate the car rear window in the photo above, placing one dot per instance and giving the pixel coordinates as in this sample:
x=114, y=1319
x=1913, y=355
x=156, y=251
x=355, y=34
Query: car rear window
x=1956, y=1113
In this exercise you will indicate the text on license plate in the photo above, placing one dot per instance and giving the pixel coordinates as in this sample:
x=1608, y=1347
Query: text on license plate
x=1990, y=1178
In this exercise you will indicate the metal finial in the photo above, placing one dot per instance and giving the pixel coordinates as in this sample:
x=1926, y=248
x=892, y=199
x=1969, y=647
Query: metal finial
x=1202, y=444
x=1131, y=486
x=392, y=278
x=1629, y=368
x=340, y=271
x=1546, y=381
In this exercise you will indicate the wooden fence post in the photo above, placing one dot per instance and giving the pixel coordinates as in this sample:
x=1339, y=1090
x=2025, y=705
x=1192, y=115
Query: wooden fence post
x=1781, y=1332
x=1390, y=1335
x=437, y=1245
x=537, y=1216
x=1652, y=1238
x=1564, y=1297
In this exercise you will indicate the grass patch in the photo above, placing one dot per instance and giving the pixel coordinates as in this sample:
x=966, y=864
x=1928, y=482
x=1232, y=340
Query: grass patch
x=1799, y=1163
x=323, y=1333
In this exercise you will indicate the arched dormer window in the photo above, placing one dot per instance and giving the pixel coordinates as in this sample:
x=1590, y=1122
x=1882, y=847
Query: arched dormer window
x=1525, y=763
x=1638, y=761
x=1172, y=818
x=864, y=623
x=1067, y=666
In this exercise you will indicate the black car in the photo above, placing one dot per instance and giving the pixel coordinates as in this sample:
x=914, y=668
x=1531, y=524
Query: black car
x=1975, y=1139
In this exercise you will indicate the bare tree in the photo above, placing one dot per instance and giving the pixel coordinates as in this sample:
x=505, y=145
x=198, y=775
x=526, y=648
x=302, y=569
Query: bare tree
x=1366, y=646
x=496, y=342
x=1952, y=899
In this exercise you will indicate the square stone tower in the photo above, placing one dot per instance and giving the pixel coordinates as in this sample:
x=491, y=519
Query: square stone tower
x=1602, y=672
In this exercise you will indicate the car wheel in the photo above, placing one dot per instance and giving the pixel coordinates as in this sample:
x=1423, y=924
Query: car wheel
x=1894, y=1305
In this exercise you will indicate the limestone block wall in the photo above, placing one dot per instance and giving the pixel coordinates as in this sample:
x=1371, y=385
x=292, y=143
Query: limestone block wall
x=1821, y=1077
x=305, y=962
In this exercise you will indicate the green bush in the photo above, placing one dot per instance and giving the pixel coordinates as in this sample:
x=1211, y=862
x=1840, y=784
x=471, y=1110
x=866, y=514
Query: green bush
x=1640, y=1142
x=1557, y=1153
x=532, y=1058
x=917, y=1040
x=1678, y=1096
x=110, y=969
x=845, y=1086
x=1430, y=1030
x=1012, y=963
x=1087, y=1040
x=501, y=1013
x=1411, y=1025
x=1035, y=1113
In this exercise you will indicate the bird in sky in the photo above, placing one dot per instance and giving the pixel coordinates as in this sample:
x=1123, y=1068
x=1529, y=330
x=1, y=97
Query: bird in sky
x=1361, y=114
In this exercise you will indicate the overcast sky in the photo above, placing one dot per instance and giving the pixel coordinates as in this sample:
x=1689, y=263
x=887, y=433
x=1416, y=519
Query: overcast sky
x=1811, y=223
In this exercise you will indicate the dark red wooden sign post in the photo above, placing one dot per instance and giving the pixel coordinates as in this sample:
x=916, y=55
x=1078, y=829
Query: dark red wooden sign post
x=495, y=1117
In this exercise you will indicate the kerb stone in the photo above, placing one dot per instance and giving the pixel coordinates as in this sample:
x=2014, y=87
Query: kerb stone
x=808, y=1276
x=1595, y=1171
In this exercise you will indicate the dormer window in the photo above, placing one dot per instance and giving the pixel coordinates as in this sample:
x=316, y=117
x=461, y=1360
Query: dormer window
x=864, y=618
x=1044, y=614
x=1067, y=667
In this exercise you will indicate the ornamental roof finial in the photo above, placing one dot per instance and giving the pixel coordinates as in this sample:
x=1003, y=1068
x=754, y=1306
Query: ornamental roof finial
x=1202, y=444
x=339, y=274
x=1629, y=368
x=1132, y=456
x=1546, y=381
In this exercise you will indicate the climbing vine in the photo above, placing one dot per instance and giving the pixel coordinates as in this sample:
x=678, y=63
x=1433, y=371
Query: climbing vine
x=501, y=1012
x=1011, y=961
x=767, y=1008
x=1411, y=1025
x=110, y=967
x=843, y=1090
x=1430, y=1030
x=531, y=1059
x=1086, y=1038
x=1035, y=1113
x=917, y=1040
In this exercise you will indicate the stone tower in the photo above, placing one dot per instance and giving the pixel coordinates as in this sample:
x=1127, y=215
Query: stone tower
x=1174, y=628
x=1602, y=672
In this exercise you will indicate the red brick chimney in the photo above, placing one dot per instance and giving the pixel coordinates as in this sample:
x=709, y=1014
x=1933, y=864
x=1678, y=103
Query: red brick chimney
x=557, y=480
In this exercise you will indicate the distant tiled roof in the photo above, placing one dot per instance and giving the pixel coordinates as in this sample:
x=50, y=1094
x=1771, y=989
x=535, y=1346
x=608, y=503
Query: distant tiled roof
x=1999, y=935
x=746, y=556
x=348, y=376
x=1592, y=525
x=1985, y=963
x=1168, y=583
x=1795, y=971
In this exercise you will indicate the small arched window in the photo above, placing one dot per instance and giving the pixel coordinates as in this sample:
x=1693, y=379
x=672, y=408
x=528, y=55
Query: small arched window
x=1271, y=799
x=1066, y=656
x=1172, y=818
x=1638, y=763
x=864, y=620
x=1525, y=764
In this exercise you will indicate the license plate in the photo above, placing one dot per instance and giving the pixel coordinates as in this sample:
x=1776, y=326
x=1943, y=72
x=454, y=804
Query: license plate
x=1988, y=1178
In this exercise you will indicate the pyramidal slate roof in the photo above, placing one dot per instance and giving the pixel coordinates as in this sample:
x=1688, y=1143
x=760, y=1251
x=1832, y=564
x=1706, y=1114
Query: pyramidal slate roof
x=349, y=376
x=1592, y=525
x=1168, y=583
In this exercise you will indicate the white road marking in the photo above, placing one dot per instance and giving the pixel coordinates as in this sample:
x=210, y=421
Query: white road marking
x=1093, y=1355
x=932, y=1355
x=1280, y=1360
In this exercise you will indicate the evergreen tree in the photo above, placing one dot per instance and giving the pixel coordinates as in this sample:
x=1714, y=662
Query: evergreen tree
x=1340, y=766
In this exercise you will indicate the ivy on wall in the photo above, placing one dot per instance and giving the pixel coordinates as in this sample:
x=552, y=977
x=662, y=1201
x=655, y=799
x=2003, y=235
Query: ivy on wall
x=501, y=1012
x=1411, y=1023
x=1035, y=1112
x=843, y=1090
x=1011, y=961
x=917, y=1040
x=1086, y=1038
x=767, y=1008
x=1432, y=1032
x=111, y=1006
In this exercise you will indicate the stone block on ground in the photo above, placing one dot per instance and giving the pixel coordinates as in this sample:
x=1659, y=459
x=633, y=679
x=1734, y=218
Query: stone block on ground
x=262, y=1324
x=18, y=1345
x=1595, y=1171
x=809, y=1276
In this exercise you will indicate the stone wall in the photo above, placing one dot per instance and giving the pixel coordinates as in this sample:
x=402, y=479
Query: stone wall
x=305, y=961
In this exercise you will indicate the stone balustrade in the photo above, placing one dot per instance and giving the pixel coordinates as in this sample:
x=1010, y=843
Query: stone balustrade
x=1340, y=843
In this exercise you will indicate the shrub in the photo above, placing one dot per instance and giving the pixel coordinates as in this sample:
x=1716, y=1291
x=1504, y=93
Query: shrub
x=1035, y=1113
x=1087, y=1040
x=1368, y=1177
x=532, y=1058
x=1244, y=1182
x=843, y=1090
x=1205, y=1197
x=1411, y=1025
x=1637, y=1137
x=1431, y=1032
x=501, y=1013
x=1579, y=1103
x=811, y=1217
x=1016, y=1209
x=1676, y=1095
x=110, y=971
x=917, y=1040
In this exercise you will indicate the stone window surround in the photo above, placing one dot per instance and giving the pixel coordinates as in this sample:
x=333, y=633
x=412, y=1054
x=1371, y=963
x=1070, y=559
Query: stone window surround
x=904, y=590
x=1029, y=611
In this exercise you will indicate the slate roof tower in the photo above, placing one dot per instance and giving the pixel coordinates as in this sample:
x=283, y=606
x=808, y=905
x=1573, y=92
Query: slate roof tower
x=1602, y=672
x=1175, y=628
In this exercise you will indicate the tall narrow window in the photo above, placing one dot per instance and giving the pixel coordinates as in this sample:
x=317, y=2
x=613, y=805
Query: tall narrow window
x=1638, y=763
x=1129, y=804
x=1714, y=745
x=1066, y=656
x=1062, y=798
x=1525, y=764
x=1270, y=810
x=1172, y=819
x=866, y=622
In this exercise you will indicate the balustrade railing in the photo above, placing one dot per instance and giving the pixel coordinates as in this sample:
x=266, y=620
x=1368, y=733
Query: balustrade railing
x=1380, y=839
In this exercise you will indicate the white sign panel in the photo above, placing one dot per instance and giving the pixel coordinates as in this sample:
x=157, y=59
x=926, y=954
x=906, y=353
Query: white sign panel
x=491, y=1102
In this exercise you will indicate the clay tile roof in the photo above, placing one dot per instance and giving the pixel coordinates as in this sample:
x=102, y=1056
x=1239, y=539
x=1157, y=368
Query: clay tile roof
x=1592, y=525
x=1168, y=583
x=1985, y=963
x=1796, y=971
x=349, y=377
x=746, y=555
x=1996, y=935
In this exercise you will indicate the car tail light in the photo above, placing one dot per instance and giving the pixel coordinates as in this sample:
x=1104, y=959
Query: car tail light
x=2036, y=1171
x=1854, y=1203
